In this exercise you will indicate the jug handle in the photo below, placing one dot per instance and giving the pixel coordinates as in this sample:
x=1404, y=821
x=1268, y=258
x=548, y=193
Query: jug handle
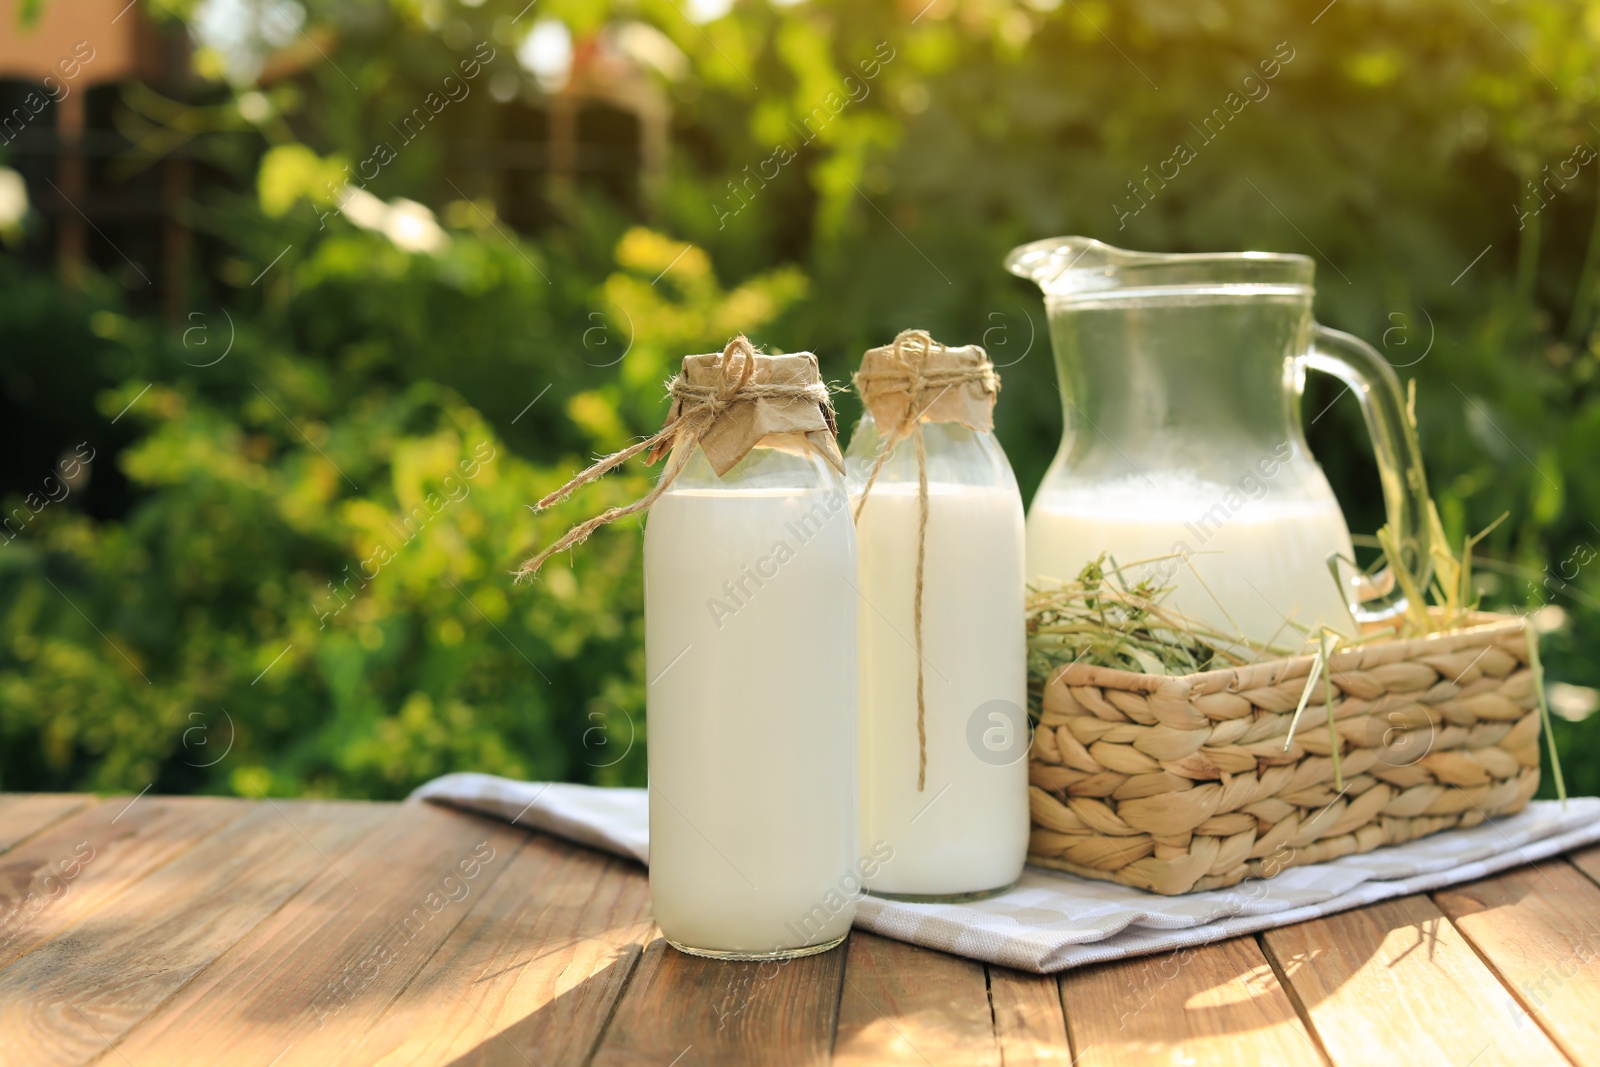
x=1405, y=486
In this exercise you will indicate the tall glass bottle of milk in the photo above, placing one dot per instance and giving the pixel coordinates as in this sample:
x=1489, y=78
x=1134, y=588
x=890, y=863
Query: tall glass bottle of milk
x=943, y=777
x=750, y=650
x=750, y=659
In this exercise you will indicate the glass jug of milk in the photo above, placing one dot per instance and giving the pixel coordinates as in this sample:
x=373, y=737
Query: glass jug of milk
x=964, y=833
x=750, y=659
x=1180, y=378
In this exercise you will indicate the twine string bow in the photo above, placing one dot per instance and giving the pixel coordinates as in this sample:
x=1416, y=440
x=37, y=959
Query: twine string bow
x=923, y=388
x=696, y=409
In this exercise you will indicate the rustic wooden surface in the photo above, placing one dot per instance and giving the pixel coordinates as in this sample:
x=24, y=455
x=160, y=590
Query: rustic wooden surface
x=155, y=931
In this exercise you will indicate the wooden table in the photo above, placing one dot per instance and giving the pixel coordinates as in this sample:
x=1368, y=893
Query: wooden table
x=156, y=930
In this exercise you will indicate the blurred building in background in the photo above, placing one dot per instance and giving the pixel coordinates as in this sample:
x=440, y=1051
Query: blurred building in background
x=61, y=80
x=600, y=124
x=96, y=117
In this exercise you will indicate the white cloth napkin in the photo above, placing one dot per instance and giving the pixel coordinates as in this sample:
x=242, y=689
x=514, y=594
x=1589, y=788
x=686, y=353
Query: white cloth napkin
x=1053, y=921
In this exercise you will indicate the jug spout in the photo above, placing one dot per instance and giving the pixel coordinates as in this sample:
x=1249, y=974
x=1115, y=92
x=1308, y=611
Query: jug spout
x=1083, y=267
x=1076, y=261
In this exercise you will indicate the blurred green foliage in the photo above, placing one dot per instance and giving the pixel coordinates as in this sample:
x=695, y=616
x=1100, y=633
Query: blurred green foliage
x=183, y=629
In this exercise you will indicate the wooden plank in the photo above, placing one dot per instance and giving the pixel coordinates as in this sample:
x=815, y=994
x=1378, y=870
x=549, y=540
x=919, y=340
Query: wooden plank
x=1539, y=929
x=1398, y=977
x=24, y=814
x=62, y=876
x=686, y=1011
x=65, y=1001
x=1028, y=1019
x=1587, y=861
x=906, y=1004
x=310, y=981
x=532, y=973
x=1214, y=1004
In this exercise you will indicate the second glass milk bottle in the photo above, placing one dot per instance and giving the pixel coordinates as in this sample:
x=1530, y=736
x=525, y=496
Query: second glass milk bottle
x=942, y=646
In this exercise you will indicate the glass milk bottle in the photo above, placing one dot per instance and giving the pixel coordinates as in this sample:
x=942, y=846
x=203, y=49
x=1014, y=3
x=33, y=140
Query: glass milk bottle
x=948, y=801
x=750, y=649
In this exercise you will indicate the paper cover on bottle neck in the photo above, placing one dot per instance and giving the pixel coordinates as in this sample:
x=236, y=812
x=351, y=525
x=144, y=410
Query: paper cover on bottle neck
x=733, y=408
x=916, y=374
x=725, y=403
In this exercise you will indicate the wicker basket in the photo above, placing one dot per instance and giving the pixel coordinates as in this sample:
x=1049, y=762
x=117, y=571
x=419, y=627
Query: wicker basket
x=1181, y=783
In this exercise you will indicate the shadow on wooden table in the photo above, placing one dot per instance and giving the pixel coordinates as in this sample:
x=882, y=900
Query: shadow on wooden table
x=563, y=1031
x=884, y=998
x=1347, y=975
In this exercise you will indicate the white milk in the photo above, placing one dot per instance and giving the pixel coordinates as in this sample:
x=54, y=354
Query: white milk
x=1263, y=560
x=967, y=831
x=751, y=661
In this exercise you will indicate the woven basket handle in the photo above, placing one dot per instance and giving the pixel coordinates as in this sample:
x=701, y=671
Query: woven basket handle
x=1405, y=485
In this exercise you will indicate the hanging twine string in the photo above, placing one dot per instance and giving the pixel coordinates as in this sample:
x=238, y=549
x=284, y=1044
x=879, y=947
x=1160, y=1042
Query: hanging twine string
x=923, y=389
x=698, y=407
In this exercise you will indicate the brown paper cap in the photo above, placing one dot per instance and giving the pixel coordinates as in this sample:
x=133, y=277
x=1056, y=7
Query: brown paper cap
x=884, y=382
x=740, y=426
